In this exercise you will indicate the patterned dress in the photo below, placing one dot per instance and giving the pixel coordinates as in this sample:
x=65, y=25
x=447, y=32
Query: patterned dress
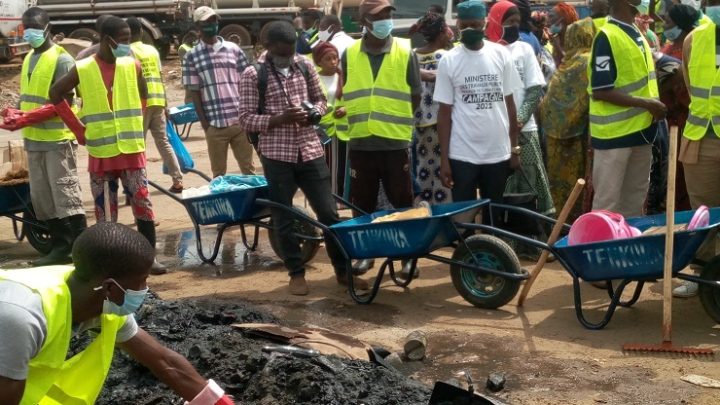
x=426, y=141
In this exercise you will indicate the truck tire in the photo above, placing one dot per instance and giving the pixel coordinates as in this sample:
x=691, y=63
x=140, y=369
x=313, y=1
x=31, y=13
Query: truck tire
x=87, y=34
x=236, y=33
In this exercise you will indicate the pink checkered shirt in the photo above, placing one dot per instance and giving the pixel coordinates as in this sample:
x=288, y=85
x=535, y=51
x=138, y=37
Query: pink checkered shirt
x=286, y=143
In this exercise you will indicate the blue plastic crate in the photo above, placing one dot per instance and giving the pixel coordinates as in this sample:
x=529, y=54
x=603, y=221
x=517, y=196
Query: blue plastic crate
x=635, y=258
x=184, y=114
x=406, y=238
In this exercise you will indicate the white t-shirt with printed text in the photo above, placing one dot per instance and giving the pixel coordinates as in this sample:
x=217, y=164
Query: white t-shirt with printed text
x=530, y=73
x=476, y=83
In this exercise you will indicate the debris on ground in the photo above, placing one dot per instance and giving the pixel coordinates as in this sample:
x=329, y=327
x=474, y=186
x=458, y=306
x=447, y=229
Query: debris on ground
x=415, y=345
x=495, y=382
x=202, y=331
x=701, y=381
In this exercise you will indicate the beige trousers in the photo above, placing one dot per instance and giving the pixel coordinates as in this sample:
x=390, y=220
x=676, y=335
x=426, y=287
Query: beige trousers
x=154, y=120
x=219, y=139
x=621, y=178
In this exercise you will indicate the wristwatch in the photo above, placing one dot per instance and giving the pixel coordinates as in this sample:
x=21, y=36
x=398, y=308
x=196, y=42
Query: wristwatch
x=515, y=150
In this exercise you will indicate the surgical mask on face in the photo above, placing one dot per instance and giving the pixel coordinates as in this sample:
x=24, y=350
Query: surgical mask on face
x=382, y=29
x=325, y=35
x=555, y=29
x=210, y=30
x=713, y=13
x=35, y=37
x=281, y=62
x=471, y=37
x=511, y=34
x=120, y=50
x=132, y=301
x=673, y=33
x=643, y=7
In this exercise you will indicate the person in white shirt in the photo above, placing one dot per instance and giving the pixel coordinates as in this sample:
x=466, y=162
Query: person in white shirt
x=477, y=121
x=503, y=27
x=330, y=30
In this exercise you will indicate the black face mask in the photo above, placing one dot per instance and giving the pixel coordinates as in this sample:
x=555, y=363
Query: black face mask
x=511, y=34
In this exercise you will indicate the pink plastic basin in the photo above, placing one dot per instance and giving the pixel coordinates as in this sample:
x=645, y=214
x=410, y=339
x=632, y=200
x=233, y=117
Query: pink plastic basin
x=597, y=226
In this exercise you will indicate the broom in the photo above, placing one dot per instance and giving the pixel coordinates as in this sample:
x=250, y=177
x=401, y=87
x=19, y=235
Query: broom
x=666, y=346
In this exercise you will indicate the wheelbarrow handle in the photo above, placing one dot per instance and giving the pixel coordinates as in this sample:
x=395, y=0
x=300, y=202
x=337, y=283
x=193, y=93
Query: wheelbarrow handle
x=165, y=191
x=349, y=204
x=293, y=211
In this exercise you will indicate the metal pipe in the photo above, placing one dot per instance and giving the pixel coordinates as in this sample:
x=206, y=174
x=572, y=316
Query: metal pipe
x=115, y=12
x=112, y=5
x=254, y=11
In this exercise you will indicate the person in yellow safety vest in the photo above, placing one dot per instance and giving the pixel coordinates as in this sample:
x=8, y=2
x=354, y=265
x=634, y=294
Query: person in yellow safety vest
x=156, y=111
x=50, y=146
x=599, y=10
x=700, y=143
x=113, y=92
x=41, y=309
x=334, y=122
x=624, y=111
x=189, y=41
x=308, y=38
x=381, y=91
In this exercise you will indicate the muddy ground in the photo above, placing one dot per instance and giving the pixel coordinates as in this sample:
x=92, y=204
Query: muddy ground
x=547, y=356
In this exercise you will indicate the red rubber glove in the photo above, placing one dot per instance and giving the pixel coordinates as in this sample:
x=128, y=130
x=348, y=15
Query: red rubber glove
x=14, y=119
x=212, y=394
x=71, y=120
x=225, y=400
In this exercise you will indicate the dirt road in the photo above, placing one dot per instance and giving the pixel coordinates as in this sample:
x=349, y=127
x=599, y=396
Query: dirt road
x=547, y=355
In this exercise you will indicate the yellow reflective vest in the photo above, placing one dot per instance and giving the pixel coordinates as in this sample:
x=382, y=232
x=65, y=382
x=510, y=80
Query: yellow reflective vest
x=52, y=380
x=381, y=106
x=34, y=93
x=111, y=132
x=149, y=59
x=704, y=85
x=599, y=23
x=635, y=76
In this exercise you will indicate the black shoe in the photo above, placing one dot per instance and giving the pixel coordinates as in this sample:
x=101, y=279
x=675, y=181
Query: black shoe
x=61, y=240
x=362, y=266
x=147, y=229
x=158, y=268
x=406, y=267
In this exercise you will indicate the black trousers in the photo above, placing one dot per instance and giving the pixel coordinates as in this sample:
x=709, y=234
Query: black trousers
x=313, y=178
x=489, y=178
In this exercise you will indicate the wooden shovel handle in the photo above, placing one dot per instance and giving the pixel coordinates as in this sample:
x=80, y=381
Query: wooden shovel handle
x=569, y=204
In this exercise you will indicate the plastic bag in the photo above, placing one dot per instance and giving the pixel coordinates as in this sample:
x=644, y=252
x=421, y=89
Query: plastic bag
x=14, y=119
x=233, y=182
x=183, y=156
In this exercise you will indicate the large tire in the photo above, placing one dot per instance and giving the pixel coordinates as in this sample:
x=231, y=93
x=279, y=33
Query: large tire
x=236, y=33
x=710, y=296
x=308, y=248
x=38, y=238
x=87, y=34
x=485, y=290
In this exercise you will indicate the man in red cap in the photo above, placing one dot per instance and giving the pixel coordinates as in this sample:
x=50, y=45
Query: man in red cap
x=380, y=107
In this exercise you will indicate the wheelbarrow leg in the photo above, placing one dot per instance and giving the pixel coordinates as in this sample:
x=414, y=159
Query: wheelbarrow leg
x=19, y=231
x=399, y=281
x=368, y=298
x=633, y=300
x=216, y=245
x=608, y=314
x=256, y=232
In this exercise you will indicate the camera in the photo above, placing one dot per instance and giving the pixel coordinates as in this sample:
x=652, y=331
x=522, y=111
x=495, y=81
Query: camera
x=314, y=116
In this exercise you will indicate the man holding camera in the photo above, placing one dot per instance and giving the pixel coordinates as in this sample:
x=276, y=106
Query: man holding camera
x=288, y=145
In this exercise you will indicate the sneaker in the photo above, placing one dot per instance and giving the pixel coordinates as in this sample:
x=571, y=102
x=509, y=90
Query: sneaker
x=362, y=266
x=358, y=283
x=298, y=285
x=686, y=290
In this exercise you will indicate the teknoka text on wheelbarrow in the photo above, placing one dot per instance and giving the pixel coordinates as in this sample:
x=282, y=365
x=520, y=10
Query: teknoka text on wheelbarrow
x=222, y=211
x=484, y=269
x=638, y=259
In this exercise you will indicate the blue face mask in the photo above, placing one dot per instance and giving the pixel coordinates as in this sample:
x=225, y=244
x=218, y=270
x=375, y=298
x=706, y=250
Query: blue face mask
x=120, y=50
x=382, y=29
x=673, y=33
x=132, y=302
x=34, y=36
x=713, y=13
x=555, y=29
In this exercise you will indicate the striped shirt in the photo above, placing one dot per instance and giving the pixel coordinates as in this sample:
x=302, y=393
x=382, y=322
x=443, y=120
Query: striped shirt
x=215, y=71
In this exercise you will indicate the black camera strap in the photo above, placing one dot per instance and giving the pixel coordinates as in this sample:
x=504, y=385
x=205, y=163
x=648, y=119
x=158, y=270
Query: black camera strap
x=262, y=75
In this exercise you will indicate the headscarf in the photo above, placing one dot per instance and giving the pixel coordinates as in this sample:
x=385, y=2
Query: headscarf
x=494, y=26
x=471, y=10
x=684, y=16
x=525, y=15
x=567, y=13
x=322, y=49
x=429, y=26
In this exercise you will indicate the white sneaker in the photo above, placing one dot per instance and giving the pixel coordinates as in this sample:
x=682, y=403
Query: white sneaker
x=686, y=290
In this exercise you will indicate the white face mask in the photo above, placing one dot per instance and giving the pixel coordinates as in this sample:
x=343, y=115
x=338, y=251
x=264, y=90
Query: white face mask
x=325, y=35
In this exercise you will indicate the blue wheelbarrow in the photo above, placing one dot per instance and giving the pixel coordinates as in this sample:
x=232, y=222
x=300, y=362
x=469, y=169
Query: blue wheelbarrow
x=186, y=116
x=621, y=262
x=222, y=211
x=15, y=204
x=484, y=269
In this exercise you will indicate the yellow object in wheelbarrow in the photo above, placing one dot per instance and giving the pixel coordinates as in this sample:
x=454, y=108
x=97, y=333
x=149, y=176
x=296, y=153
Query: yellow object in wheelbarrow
x=413, y=213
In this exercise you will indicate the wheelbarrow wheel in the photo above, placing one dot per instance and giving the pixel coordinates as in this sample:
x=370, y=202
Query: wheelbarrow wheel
x=710, y=296
x=38, y=237
x=485, y=290
x=308, y=247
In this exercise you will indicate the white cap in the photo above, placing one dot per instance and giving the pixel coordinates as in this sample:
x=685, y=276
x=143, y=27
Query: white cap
x=203, y=13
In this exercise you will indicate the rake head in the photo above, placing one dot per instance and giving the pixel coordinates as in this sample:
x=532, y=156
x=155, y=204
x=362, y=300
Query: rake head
x=666, y=347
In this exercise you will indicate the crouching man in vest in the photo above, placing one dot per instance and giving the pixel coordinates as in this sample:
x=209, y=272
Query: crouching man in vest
x=700, y=143
x=51, y=148
x=624, y=110
x=42, y=308
x=113, y=88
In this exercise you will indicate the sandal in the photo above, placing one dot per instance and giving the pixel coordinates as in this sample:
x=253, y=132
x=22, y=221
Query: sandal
x=177, y=188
